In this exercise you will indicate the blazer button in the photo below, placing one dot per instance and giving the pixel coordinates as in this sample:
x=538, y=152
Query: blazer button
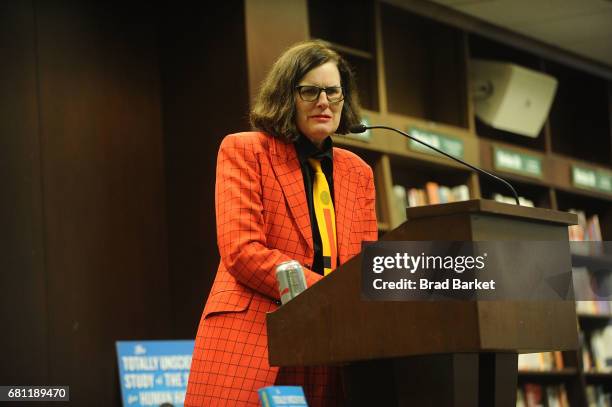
x=277, y=302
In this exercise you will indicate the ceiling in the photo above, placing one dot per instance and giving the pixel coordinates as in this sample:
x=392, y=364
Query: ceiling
x=583, y=27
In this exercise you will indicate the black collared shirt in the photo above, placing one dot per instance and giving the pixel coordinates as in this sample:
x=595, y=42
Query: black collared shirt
x=306, y=149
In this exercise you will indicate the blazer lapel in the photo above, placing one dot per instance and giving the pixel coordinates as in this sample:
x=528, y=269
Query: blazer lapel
x=286, y=166
x=344, y=205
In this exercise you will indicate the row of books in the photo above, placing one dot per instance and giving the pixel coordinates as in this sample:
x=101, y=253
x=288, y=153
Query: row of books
x=587, y=229
x=598, y=396
x=433, y=193
x=544, y=361
x=597, y=350
x=538, y=395
x=593, y=307
x=510, y=200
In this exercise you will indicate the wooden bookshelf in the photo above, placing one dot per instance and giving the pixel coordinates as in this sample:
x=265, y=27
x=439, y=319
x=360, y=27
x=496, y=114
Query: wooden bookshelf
x=598, y=376
x=422, y=66
x=602, y=318
x=561, y=374
x=412, y=61
x=567, y=377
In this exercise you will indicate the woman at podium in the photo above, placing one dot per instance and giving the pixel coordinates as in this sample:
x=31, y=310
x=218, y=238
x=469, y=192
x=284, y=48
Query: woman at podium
x=282, y=193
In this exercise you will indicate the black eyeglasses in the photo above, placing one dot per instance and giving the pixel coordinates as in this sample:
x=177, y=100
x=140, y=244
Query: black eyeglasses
x=310, y=93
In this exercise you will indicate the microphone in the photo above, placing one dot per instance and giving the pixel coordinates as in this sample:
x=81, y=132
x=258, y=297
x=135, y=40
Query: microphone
x=360, y=128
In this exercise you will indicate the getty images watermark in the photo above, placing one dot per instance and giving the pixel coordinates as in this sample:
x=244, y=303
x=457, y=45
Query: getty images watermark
x=492, y=270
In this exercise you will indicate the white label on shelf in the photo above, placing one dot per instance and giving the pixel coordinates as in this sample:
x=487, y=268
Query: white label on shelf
x=584, y=178
x=524, y=164
x=510, y=161
x=592, y=179
x=604, y=182
x=447, y=144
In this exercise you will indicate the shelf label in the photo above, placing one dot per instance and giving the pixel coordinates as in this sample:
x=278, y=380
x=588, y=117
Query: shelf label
x=520, y=163
x=449, y=145
x=592, y=179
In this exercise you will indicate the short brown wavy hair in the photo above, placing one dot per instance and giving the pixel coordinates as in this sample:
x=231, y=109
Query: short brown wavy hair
x=274, y=109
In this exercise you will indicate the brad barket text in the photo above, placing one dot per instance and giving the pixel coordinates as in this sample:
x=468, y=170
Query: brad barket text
x=425, y=284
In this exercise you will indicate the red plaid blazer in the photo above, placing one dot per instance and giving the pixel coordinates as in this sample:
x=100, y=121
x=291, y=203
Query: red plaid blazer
x=263, y=220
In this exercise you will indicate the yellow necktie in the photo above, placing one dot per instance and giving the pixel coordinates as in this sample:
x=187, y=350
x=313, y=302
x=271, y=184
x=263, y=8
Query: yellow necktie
x=326, y=217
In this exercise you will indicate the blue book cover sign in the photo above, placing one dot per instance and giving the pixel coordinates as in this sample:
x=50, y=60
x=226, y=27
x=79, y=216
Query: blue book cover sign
x=154, y=372
x=285, y=396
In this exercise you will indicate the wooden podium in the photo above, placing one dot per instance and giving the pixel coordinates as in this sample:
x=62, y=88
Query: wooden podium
x=426, y=353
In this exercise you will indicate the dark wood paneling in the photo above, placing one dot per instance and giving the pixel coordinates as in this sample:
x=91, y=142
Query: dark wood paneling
x=23, y=302
x=271, y=27
x=205, y=96
x=89, y=187
x=103, y=188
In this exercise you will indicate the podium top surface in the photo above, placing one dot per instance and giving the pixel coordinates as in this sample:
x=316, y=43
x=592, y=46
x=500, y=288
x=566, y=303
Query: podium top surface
x=490, y=207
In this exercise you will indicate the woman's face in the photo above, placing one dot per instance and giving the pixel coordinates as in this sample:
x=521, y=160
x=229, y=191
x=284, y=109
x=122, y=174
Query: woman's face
x=320, y=118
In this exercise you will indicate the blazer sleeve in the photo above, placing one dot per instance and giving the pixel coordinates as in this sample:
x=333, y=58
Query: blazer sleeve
x=240, y=222
x=370, y=226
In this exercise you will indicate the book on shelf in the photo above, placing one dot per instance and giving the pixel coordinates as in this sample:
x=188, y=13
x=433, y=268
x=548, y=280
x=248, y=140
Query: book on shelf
x=586, y=358
x=558, y=357
x=445, y=194
x=587, y=229
x=596, y=350
x=544, y=361
x=538, y=395
x=533, y=395
x=529, y=361
x=400, y=202
x=520, y=397
x=556, y=396
x=598, y=396
x=593, y=230
x=594, y=307
x=601, y=348
x=433, y=193
x=415, y=197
